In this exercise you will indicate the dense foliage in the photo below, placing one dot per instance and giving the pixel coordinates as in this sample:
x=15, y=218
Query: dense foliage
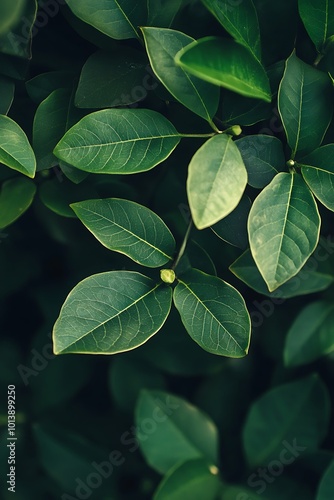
x=167, y=189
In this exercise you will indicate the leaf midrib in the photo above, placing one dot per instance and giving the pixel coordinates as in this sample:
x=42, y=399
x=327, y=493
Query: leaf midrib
x=208, y=310
x=126, y=230
x=112, y=317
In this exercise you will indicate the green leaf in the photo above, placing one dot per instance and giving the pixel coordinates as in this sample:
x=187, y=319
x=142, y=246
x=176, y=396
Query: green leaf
x=49, y=126
x=42, y=85
x=240, y=493
x=283, y=228
x=128, y=228
x=193, y=479
x=318, y=171
x=238, y=70
x=305, y=282
x=318, y=19
x=16, y=196
x=233, y=228
x=111, y=312
x=311, y=335
x=7, y=88
x=112, y=79
x=161, y=13
x=15, y=150
x=10, y=14
x=217, y=178
x=17, y=42
x=244, y=111
x=162, y=45
x=326, y=485
x=293, y=417
x=304, y=99
x=213, y=313
x=240, y=21
x=263, y=157
x=118, y=141
x=181, y=431
x=118, y=19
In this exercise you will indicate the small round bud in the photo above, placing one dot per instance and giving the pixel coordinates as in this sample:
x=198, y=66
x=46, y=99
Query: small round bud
x=236, y=130
x=167, y=275
x=290, y=163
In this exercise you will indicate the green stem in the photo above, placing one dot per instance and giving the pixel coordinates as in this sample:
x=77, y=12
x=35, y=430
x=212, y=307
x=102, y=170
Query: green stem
x=183, y=246
x=198, y=135
x=214, y=126
x=318, y=59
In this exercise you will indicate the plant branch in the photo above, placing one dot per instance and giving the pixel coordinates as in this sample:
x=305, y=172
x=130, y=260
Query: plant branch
x=183, y=246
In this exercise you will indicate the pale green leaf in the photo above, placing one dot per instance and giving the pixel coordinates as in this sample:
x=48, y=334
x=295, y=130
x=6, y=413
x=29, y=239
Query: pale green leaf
x=213, y=313
x=294, y=416
x=228, y=64
x=311, y=335
x=217, y=178
x=128, y=228
x=16, y=196
x=162, y=45
x=15, y=150
x=304, y=99
x=181, y=431
x=283, y=228
x=318, y=171
x=111, y=312
x=118, y=141
x=118, y=19
x=240, y=21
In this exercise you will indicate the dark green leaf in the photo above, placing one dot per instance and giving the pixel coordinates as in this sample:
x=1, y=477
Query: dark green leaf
x=162, y=45
x=122, y=141
x=318, y=19
x=283, y=228
x=240, y=21
x=111, y=312
x=118, y=19
x=128, y=228
x=10, y=14
x=15, y=150
x=193, y=479
x=318, y=171
x=16, y=196
x=263, y=157
x=292, y=417
x=305, y=282
x=17, y=42
x=213, y=313
x=304, y=99
x=161, y=13
x=233, y=228
x=57, y=195
x=326, y=485
x=112, y=79
x=217, y=178
x=7, y=89
x=311, y=335
x=41, y=86
x=238, y=70
x=181, y=431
